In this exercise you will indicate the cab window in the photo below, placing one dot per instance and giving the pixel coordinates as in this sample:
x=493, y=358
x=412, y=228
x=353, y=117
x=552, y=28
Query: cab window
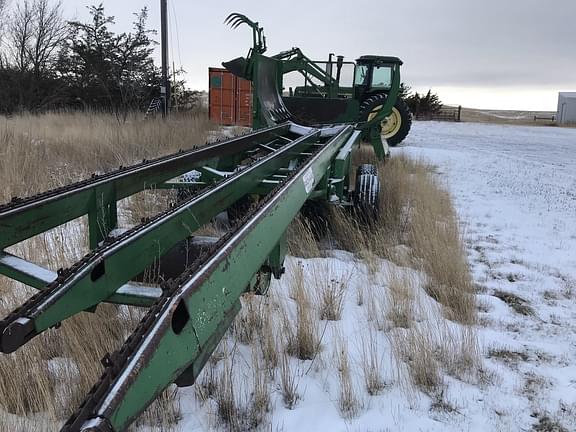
x=360, y=75
x=382, y=77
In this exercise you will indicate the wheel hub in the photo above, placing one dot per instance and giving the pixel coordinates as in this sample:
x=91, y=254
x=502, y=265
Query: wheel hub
x=391, y=124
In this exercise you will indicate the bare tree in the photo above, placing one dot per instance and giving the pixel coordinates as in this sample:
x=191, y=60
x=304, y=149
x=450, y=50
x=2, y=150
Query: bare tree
x=20, y=35
x=36, y=32
x=3, y=21
x=50, y=30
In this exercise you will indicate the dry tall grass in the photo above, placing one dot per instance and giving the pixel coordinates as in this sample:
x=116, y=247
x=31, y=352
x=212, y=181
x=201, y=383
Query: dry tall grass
x=415, y=211
x=52, y=374
x=302, y=338
x=39, y=152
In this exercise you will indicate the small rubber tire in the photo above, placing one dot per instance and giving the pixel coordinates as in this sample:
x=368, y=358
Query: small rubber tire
x=367, y=192
x=401, y=114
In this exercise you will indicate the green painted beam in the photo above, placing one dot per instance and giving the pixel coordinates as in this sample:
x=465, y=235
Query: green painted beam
x=121, y=261
x=184, y=328
x=26, y=221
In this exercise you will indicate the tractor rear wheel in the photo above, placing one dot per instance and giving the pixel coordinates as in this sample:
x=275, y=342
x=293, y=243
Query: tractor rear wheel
x=396, y=126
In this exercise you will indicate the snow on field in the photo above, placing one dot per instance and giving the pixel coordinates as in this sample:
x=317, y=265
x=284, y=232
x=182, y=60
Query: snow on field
x=515, y=191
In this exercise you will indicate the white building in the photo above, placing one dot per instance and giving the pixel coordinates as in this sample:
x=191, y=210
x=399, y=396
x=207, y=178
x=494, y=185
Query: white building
x=566, y=108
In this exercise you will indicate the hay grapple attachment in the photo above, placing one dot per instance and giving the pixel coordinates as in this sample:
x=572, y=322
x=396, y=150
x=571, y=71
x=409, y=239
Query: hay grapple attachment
x=280, y=167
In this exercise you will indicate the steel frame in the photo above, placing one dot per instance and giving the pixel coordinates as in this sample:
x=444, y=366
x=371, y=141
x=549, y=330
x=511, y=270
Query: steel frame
x=285, y=165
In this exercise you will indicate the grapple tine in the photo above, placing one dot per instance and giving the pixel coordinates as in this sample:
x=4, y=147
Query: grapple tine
x=235, y=19
x=239, y=20
x=230, y=17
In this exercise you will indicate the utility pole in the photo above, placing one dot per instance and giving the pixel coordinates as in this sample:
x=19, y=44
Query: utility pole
x=165, y=84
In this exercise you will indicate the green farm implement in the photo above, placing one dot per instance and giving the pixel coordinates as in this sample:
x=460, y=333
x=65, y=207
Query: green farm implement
x=372, y=103
x=276, y=169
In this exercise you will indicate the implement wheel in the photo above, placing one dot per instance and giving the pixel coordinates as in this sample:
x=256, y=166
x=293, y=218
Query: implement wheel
x=367, y=192
x=396, y=126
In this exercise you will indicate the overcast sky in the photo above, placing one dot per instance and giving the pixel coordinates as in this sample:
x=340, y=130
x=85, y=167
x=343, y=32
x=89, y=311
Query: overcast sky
x=509, y=54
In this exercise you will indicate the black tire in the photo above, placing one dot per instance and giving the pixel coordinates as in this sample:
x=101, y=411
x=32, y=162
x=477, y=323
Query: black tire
x=367, y=192
x=400, y=111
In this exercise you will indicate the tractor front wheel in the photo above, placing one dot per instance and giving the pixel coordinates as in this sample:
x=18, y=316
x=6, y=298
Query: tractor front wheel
x=396, y=126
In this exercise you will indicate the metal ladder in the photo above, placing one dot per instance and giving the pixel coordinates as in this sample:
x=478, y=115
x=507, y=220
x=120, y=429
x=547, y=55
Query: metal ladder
x=154, y=107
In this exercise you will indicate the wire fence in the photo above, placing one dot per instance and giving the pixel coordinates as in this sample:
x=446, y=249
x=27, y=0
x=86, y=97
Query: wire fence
x=446, y=113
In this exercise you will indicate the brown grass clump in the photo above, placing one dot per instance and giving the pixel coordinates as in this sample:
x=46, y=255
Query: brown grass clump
x=301, y=240
x=225, y=396
x=347, y=401
x=372, y=364
x=288, y=383
x=268, y=341
x=303, y=342
x=400, y=298
x=330, y=292
x=248, y=323
x=436, y=241
x=435, y=346
x=416, y=349
x=260, y=398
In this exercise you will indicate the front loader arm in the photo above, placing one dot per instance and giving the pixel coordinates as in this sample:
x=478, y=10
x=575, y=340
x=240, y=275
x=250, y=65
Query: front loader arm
x=295, y=60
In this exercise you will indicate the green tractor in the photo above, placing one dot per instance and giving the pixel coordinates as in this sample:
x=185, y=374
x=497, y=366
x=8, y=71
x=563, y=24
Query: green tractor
x=373, y=101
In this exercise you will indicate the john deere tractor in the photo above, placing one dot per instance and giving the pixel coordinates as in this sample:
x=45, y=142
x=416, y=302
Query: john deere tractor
x=372, y=102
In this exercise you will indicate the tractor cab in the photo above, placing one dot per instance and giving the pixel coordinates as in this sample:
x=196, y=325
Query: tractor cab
x=374, y=74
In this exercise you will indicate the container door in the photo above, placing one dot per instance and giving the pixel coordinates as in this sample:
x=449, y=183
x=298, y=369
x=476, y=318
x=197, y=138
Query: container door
x=244, y=102
x=222, y=104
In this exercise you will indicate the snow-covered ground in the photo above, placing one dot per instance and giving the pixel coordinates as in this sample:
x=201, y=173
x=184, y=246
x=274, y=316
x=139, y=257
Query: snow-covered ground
x=515, y=191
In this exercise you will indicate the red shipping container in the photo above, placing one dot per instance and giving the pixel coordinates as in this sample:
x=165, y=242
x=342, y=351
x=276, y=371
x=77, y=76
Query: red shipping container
x=229, y=98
